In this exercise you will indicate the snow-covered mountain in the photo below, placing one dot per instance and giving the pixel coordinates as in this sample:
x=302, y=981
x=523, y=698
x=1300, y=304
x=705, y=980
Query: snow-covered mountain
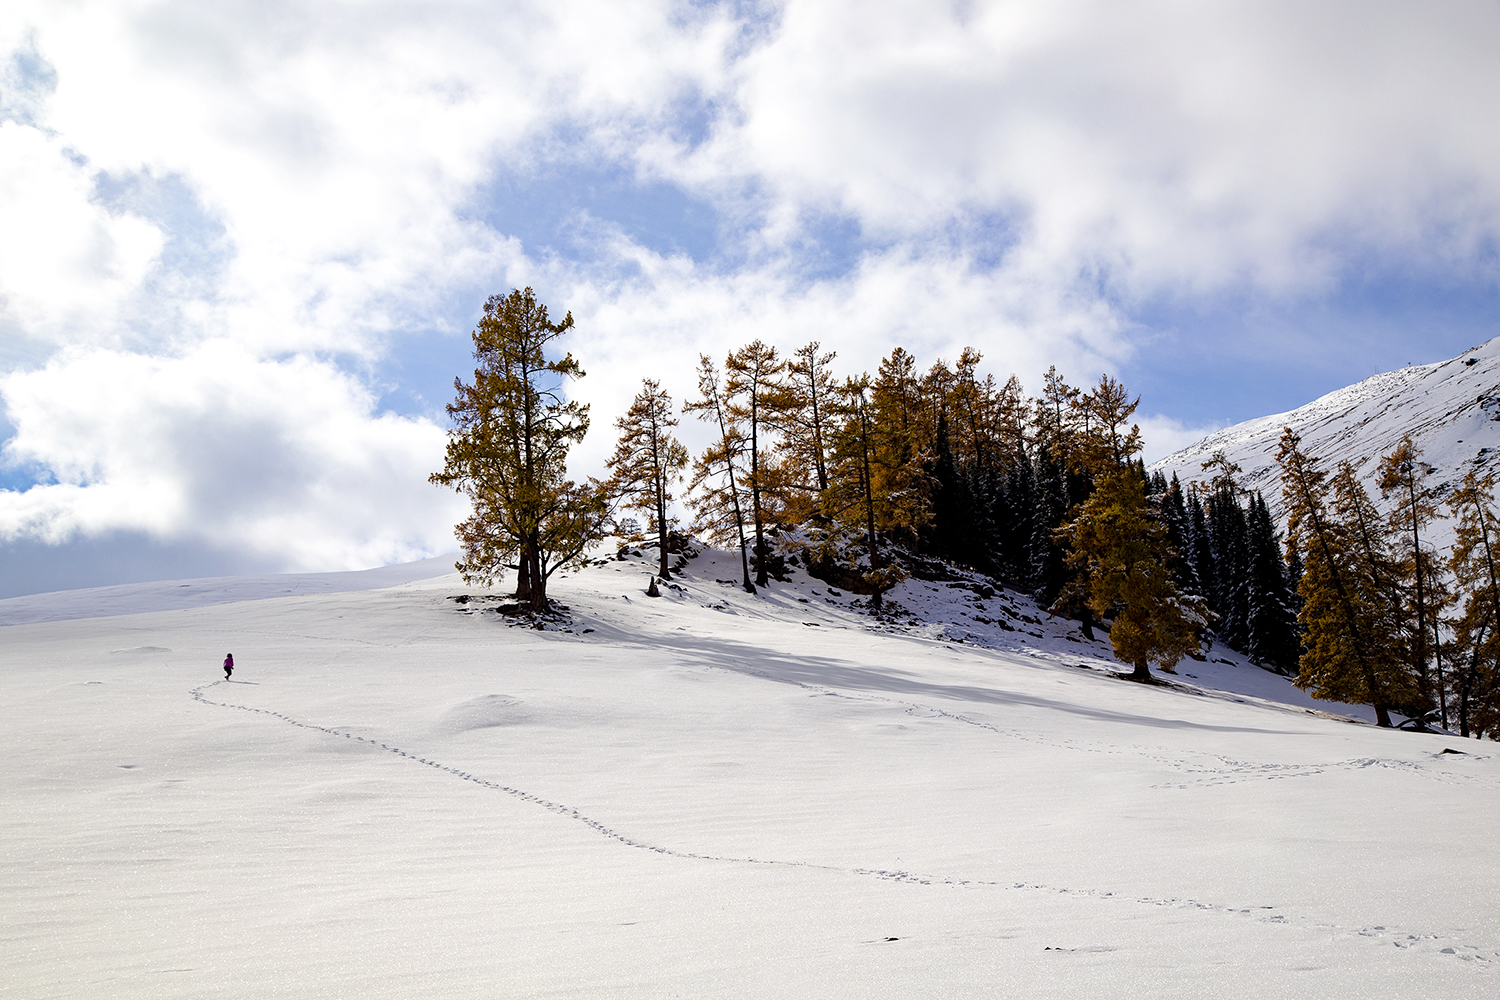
x=1451, y=409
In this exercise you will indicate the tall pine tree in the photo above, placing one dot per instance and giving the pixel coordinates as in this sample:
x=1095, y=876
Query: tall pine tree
x=717, y=472
x=647, y=460
x=1342, y=659
x=1475, y=564
x=507, y=452
x=1124, y=548
x=1271, y=623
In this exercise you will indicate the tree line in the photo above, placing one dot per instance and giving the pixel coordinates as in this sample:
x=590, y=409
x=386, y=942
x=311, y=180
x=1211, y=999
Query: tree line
x=866, y=478
x=1385, y=619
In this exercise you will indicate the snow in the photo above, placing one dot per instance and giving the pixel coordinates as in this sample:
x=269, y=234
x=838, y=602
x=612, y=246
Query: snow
x=709, y=794
x=177, y=595
x=1451, y=409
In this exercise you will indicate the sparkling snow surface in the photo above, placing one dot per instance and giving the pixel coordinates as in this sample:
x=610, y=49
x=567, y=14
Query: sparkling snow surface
x=709, y=795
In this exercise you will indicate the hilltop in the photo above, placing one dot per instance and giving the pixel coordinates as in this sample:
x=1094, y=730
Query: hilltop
x=1450, y=408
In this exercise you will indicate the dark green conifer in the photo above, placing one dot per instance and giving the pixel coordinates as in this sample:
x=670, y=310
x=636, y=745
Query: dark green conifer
x=1271, y=626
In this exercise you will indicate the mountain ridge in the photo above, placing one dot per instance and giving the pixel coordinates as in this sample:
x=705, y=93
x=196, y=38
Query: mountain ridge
x=1450, y=408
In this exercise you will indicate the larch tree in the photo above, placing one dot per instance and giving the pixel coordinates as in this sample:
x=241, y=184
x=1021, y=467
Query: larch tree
x=1223, y=474
x=752, y=392
x=1089, y=429
x=1403, y=478
x=507, y=452
x=1107, y=441
x=1474, y=562
x=1474, y=675
x=1055, y=419
x=1441, y=596
x=900, y=408
x=1375, y=572
x=932, y=400
x=647, y=460
x=804, y=416
x=859, y=495
x=898, y=400
x=1122, y=545
x=714, y=486
x=1063, y=482
x=969, y=403
x=1340, y=615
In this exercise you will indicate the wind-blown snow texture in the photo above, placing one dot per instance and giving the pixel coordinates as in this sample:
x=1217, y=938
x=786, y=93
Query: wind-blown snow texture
x=709, y=794
x=1451, y=409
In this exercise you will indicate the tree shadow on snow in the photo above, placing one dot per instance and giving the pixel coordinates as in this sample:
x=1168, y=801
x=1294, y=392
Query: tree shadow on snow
x=817, y=671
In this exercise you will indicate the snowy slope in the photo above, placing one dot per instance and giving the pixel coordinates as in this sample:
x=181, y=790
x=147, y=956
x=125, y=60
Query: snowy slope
x=708, y=794
x=1451, y=409
x=176, y=595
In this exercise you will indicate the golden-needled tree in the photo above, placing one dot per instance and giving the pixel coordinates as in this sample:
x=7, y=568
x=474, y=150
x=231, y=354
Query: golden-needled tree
x=508, y=448
x=1122, y=547
x=647, y=460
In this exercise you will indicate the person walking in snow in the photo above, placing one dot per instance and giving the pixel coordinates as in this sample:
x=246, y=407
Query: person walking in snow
x=228, y=665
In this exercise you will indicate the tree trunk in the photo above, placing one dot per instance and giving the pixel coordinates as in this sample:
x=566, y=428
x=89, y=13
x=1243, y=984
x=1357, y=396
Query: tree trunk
x=734, y=494
x=1466, y=686
x=761, y=579
x=661, y=530
x=523, y=575
x=1437, y=659
x=1489, y=558
x=1142, y=671
x=538, y=578
x=877, y=600
x=1372, y=684
x=1419, y=651
x=817, y=433
x=739, y=523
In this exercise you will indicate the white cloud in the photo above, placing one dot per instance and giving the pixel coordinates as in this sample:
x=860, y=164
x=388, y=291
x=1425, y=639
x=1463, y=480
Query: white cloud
x=67, y=266
x=1164, y=435
x=340, y=145
x=1154, y=146
x=1015, y=175
x=337, y=150
x=656, y=323
x=281, y=459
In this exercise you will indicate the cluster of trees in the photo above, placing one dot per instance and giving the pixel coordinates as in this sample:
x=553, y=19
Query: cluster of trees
x=1385, y=620
x=1229, y=553
x=1045, y=493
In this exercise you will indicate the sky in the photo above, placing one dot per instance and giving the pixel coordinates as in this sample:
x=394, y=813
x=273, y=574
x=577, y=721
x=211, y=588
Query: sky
x=242, y=245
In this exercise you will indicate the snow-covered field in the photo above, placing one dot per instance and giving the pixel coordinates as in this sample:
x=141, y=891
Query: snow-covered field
x=707, y=794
